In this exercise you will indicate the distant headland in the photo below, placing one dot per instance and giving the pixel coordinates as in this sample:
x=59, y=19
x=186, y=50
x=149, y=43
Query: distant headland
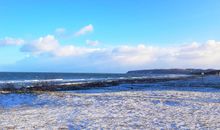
x=177, y=71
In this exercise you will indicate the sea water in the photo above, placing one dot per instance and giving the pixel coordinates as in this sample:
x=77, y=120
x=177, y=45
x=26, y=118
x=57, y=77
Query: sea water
x=28, y=78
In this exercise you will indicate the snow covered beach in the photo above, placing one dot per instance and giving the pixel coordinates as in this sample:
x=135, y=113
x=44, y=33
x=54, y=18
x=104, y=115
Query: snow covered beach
x=182, y=104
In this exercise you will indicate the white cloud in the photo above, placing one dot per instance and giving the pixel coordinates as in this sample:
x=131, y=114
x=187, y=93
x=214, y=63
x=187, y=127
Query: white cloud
x=43, y=44
x=71, y=50
x=92, y=43
x=87, y=29
x=9, y=41
x=134, y=55
x=193, y=55
x=206, y=55
x=50, y=45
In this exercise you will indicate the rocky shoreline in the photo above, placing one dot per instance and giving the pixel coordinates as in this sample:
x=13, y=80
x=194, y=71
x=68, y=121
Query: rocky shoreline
x=148, y=106
x=147, y=103
x=44, y=86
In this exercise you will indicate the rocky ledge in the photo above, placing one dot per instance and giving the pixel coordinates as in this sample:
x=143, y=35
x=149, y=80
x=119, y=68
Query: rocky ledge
x=44, y=86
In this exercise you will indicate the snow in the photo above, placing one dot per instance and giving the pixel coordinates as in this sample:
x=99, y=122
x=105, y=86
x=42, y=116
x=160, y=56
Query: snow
x=148, y=106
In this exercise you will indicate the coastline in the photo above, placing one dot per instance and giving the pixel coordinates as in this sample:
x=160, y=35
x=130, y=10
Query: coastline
x=46, y=86
x=174, y=104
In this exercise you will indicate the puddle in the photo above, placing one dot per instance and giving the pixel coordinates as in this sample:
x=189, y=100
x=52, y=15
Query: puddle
x=155, y=102
x=16, y=100
x=172, y=103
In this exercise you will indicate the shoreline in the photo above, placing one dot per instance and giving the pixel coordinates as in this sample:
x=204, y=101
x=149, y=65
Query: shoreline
x=158, y=105
x=180, y=103
x=44, y=86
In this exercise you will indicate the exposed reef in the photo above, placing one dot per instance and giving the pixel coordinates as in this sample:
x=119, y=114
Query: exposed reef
x=45, y=86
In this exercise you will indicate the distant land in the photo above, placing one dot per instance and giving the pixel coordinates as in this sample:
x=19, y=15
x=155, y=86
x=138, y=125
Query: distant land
x=177, y=71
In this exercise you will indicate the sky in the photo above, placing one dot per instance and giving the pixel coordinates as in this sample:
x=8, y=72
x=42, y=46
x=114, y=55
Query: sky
x=108, y=36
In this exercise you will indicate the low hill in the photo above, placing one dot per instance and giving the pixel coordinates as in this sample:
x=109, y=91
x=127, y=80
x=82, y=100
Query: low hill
x=176, y=71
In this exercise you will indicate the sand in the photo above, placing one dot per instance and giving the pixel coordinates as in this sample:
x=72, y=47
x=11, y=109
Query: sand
x=146, y=106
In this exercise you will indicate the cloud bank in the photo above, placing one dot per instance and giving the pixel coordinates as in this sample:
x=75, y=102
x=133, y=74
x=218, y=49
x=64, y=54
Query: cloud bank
x=142, y=56
x=49, y=45
x=47, y=51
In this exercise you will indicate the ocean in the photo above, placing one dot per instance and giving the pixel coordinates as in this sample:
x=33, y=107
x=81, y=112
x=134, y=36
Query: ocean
x=30, y=78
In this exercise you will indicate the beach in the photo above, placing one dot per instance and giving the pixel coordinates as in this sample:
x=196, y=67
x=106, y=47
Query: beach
x=186, y=104
x=109, y=65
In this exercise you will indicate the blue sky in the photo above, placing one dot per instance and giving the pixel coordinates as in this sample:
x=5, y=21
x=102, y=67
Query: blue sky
x=118, y=35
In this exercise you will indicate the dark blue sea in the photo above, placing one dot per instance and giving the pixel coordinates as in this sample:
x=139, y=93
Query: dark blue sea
x=28, y=78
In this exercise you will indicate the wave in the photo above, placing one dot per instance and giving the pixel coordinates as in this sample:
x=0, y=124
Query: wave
x=60, y=81
x=30, y=81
